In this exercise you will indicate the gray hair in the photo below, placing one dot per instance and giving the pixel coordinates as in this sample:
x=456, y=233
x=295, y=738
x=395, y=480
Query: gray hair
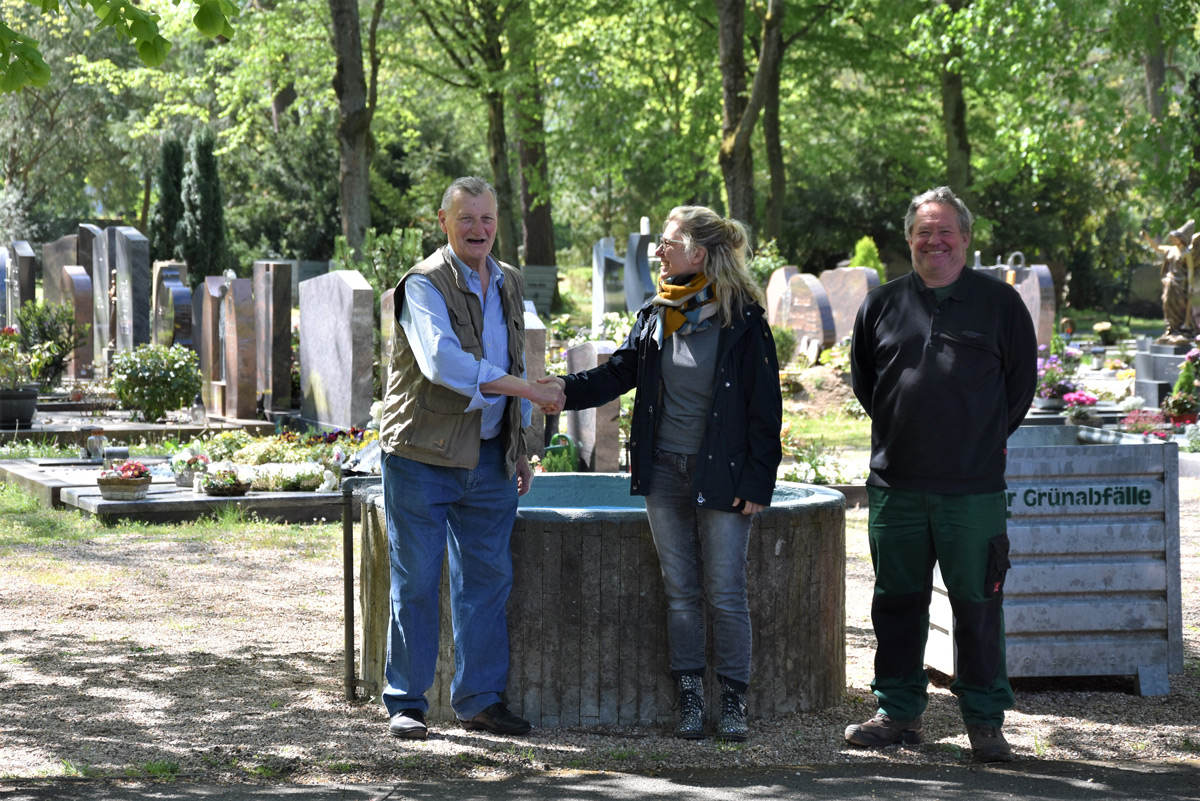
x=942, y=196
x=471, y=184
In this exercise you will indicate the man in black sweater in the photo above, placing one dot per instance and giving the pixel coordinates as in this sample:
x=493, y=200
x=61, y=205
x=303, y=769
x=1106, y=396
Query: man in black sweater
x=944, y=360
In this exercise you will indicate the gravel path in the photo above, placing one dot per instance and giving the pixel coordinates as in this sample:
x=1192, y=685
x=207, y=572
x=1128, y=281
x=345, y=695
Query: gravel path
x=134, y=653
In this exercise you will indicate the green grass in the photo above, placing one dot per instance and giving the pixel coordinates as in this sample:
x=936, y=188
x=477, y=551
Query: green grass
x=837, y=431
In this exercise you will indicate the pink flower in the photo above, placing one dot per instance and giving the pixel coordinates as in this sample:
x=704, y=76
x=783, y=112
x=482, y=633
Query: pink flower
x=1080, y=398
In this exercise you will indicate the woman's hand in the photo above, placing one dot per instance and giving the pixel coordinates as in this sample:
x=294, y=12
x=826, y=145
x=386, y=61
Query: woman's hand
x=751, y=508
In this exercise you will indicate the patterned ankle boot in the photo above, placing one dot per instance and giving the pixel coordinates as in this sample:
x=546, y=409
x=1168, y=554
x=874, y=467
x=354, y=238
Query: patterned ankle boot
x=732, y=725
x=690, y=704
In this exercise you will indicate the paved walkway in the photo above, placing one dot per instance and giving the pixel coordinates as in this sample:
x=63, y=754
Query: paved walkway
x=1065, y=781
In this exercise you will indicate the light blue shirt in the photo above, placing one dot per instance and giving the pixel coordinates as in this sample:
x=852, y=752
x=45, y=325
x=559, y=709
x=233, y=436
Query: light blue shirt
x=439, y=354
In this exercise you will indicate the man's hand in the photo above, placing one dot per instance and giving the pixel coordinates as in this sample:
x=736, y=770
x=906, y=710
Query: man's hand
x=548, y=394
x=524, y=476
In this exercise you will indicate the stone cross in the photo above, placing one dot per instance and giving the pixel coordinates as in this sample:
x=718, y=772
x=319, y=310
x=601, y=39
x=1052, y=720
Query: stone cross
x=273, y=330
x=596, y=431
x=336, y=351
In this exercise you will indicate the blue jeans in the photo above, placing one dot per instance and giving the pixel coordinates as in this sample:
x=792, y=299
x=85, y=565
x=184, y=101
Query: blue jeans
x=470, y=512
x=702, y=553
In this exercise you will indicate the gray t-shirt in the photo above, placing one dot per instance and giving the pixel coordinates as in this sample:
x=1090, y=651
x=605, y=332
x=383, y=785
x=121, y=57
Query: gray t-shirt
x=687, y=375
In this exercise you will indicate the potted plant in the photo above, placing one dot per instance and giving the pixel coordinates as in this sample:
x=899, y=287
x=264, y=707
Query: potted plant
x=1181, y=408
x=50, y=328
x=128, y=481
x=18, y=372
x=1080, y=410
x=1054, y=382
x=224, y=482
x=186, y=465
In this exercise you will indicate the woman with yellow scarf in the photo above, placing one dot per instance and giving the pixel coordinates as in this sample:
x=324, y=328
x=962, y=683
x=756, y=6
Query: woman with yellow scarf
x=704, y=447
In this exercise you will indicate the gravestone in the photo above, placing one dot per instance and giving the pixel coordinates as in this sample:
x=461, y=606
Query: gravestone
x=77, y=293
x=26, y=269
x=239, y=349
x=85, y=247
x=336, y=351
x=846, y=288
x=1156, y=368
x=132, y=270
x=638, y=283
x=206, y=338
x=172, y=305
x=303, y=271
x=596, y=431
x=608, y=282
x=779, y=294
x=55, y=256
x=387, y=333
x=809, y=313
x=273, y=330
x=7, y=290
x=535, y=368
x=1035, y=285
x=103, y=300
x=540, y=282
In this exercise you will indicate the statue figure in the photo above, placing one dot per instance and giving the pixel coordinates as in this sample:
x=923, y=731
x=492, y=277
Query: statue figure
x=1178, y=280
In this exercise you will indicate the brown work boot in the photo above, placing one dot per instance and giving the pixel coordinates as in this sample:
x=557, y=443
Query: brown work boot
x=881, y=731
x=988, y=743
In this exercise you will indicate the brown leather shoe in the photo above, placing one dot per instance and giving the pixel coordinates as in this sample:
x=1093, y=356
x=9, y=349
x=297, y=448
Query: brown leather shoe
x=498, y=720
x=881, y=731
x=988, y=743
x=409, y=724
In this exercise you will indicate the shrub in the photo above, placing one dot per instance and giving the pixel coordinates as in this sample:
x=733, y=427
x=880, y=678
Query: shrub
x=765, y=262
x=867, y=255
x=153, y=379
x=52, y=326
x=223, y=445
x=785, y=344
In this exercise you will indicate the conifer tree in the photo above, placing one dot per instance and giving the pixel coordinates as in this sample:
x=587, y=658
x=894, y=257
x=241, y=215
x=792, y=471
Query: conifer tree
x=169, y=208
x=200, y=235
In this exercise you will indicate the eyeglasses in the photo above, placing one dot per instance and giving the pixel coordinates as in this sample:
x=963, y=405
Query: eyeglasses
x=661, y=241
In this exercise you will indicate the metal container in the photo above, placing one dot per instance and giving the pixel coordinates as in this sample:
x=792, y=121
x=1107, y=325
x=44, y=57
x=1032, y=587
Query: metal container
x=1094, y=588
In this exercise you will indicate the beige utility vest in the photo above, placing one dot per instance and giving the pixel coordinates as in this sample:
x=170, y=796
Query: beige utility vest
x=427, y=422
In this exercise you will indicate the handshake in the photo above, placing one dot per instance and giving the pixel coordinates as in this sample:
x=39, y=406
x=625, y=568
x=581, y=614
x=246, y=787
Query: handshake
x=547, y=394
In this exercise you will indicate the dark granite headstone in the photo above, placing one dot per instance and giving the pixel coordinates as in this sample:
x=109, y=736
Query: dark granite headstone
x=85, y=246
x=273, y=330
x=847, y=287
x=104, y=300
x=540, y=282
x=608, y=281
x=56, y=255
x=180, y=270
x=305, y=270
x=132, y=268
x=1035, y=285
x=206, y=301
x=809, y=313
x=336, y=353
x=8, y=289
x=240, y=350
x=172, y=305
x=639, y=285
x=77, y=293
x=26, y=266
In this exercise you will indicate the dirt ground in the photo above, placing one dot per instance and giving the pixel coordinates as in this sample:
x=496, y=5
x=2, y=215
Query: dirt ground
x=217, y=656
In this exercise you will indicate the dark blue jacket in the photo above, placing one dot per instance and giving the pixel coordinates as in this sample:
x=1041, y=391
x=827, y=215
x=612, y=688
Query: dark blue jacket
x=740, y=451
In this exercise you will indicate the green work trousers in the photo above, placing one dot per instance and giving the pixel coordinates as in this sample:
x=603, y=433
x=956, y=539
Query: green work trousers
x=965, y=535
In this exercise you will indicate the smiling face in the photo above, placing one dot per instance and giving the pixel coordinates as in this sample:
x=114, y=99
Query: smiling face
x=470, y=227
x=675, y=259
x=938, y=245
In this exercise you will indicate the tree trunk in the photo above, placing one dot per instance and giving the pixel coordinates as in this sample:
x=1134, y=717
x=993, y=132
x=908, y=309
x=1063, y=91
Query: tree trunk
x=1154, y=66
x=954, y=121
x=537, y=223
x=742, y=106
x=507, y=235
x=777, y=189
x=354, y=123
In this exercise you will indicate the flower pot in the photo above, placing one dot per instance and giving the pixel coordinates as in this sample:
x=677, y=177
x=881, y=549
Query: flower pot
x=1184, y=419
x=123, y=489
x=1049, y=403
x=185, y=478
x=17, y=406
x=227, y=490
